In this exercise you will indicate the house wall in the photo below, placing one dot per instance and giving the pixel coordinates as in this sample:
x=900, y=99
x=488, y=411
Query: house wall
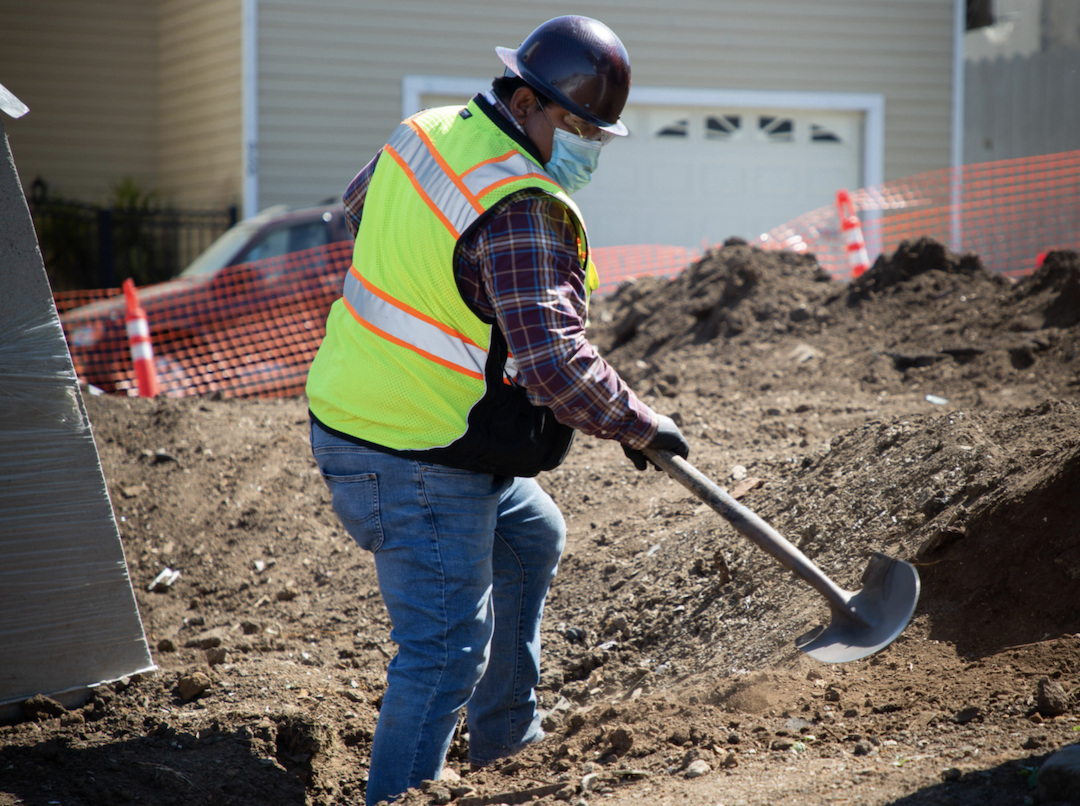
x=199, y=91
x=1022, y=106
x=88, y=71
x=331, y=71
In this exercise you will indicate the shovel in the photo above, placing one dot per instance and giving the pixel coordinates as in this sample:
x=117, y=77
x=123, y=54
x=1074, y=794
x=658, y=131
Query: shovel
x=863, y=621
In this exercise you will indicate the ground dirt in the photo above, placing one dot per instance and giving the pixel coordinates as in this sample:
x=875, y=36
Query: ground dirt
x=928, y=410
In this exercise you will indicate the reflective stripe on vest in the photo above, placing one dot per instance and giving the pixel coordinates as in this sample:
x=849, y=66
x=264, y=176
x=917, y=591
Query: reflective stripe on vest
x=393, y=320
x=454, y=198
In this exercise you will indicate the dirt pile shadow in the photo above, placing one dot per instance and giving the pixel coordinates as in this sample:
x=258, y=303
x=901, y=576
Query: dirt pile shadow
x=1005, y=570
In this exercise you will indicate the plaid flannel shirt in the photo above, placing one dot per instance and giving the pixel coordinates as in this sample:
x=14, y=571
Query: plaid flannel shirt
x=522, y=268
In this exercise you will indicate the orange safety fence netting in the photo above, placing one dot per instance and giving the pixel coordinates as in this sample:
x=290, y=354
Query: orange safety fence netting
x=1009, y=213
x=247, y=330
x=253, y=329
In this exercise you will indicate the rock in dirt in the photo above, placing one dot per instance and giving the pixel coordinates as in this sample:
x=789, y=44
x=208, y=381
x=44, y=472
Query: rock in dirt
x=1052, y=699
x=40, y=707
x=192, y=685
x=696, y=769
x=1059, y=777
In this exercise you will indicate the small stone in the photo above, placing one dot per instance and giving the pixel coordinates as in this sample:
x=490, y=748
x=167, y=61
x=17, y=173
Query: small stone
x=622, y=739
x=40, y=707
x=951, y=774
x=215, y=655
x=288, y=593
x=861, y=749
x=696, y=769
x=731, y=760
x=617, y=624
x=1052, y=699
x=967, y=715
x=437, y=792
x=832, y=695
x=1034, y=742
x=166, y=645
x=851, y=713
x=192, y=685
x=207, y=640
x=782, y=744
x=734, y=738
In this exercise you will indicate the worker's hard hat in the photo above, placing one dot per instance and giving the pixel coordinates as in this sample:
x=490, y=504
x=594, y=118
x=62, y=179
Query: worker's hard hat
x=578, y=63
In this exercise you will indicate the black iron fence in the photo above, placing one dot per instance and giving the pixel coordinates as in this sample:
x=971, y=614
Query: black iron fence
x=88, y=246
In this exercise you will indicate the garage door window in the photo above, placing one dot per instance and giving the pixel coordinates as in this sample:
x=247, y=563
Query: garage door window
x=680, y=128
x=777, y=130
x=819, y=134
x=722, y=127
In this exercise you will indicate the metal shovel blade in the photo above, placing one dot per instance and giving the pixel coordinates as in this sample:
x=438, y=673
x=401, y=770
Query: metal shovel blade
x=885, y=603
x=863, y=621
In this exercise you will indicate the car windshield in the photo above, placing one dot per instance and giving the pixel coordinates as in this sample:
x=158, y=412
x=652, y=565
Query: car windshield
x=220, y=253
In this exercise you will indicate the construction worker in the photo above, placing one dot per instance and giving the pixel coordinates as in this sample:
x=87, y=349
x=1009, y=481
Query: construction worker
x=455, y=368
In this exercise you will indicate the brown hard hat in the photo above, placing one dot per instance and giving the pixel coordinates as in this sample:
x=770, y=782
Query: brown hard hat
x=580, y=64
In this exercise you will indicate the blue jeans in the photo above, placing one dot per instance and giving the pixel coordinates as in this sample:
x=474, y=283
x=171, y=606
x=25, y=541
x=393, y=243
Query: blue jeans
x=464, y=562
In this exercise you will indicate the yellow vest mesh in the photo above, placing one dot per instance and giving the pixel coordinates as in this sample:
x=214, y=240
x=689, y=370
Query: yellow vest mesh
x=369, y=387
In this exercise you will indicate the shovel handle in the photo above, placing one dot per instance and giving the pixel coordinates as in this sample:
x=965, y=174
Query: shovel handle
x=752, y=527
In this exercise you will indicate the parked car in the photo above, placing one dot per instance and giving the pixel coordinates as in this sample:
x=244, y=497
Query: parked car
x=245, y=318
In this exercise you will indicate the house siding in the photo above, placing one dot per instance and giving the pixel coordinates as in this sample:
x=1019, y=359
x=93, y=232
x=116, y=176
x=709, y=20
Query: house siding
x=87, y=69
x=330, y=71
x=199, y=86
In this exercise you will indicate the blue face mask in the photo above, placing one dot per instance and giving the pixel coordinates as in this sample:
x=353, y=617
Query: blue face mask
x=573, y=159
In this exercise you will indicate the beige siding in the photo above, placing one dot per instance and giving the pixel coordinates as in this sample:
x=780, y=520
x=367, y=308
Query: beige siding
x=199, y=128
x=331, y=70
x=87, y=70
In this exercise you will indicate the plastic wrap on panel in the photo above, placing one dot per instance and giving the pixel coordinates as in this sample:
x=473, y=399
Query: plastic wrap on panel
x=68, y=616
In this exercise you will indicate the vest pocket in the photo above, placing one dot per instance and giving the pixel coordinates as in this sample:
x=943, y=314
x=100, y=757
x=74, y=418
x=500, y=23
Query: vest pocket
x=356, y=502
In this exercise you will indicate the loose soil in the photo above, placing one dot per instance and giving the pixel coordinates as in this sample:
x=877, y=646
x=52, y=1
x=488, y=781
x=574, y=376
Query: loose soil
x=928, y=410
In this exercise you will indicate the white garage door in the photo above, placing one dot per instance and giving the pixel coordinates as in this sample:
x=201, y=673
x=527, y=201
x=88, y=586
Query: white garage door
x=688, y=176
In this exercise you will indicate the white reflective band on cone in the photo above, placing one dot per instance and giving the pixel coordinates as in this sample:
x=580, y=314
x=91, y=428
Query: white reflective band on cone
x=137, y=328
x=142, y=351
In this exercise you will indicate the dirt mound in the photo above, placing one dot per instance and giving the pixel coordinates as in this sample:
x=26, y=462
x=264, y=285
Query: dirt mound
x=932, y=415
x=723, y=294
x=1054, y=289
x=910, y=260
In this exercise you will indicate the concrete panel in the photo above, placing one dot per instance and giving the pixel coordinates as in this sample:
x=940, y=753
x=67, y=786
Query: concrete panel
x=68, y=618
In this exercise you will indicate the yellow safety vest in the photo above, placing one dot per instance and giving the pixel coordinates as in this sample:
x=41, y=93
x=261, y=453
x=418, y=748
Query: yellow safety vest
x=406, y=365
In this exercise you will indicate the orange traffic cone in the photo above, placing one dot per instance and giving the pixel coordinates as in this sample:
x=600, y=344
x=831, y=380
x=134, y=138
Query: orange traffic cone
x=858, y=259
x=142, y=350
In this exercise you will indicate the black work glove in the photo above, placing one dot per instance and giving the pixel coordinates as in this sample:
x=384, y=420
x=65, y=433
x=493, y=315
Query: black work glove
x=668, y=437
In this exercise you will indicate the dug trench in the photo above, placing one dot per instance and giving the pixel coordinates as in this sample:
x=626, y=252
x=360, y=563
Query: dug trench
x=927, y=410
